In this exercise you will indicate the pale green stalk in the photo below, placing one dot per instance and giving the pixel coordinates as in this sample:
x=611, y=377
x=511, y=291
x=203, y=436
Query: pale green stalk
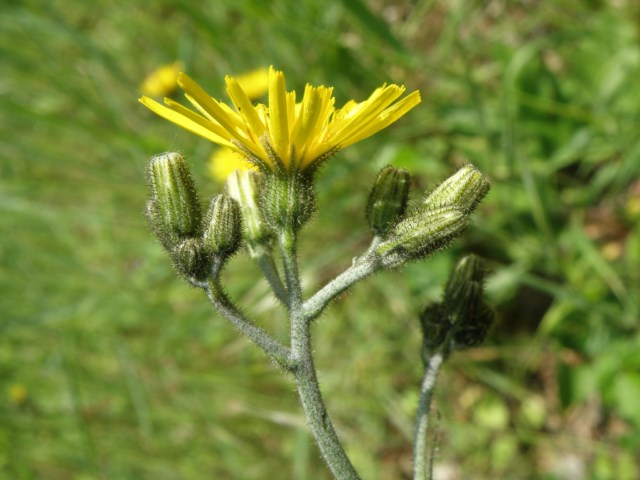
x=305, y=372
x=421, y=467
x=270, y=272
x=272, y=347
x=360, y=269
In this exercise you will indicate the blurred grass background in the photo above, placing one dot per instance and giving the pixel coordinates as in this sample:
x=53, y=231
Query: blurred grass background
x=112, y=368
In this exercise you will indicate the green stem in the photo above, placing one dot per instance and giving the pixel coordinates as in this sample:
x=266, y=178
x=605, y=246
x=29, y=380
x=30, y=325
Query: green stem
x=361, y=268
x=272, y=347
x=420, y=464
x=270, y=272
x=305, y=371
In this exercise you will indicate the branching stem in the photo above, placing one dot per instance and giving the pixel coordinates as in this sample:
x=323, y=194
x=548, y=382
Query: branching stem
x=270, y=272
x=272, y=347
x=361, y=268
x=305, y=371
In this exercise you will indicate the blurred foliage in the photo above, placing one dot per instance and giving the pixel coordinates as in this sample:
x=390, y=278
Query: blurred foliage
x=112, y=368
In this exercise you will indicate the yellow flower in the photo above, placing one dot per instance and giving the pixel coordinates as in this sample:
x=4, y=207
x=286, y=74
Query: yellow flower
x=284, y=134
x=162, y=81
x=224, y=161
x=254, y=83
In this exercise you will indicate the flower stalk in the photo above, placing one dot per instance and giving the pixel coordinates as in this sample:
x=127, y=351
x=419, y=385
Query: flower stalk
x=305, y=372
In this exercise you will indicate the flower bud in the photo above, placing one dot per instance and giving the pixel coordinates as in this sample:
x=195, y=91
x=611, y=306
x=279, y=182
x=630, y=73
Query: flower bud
x=421, y=234
x=387, y=201
x=463, y=190
x=222, y=226
x=473, y=330
x=173, y=210
x=191, y=260
x=288, y=200
x=435, y=327
x=245, y=186
x=465, y=284
x=464, y=303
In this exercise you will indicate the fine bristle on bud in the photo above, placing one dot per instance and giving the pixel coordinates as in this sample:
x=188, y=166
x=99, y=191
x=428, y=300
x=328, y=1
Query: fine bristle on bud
x=387, y=201
x=435, y=328
x=288, y=200
x=463, y=190
x=173, y=209
x=464, y=303
x=222, y=227
x=421, y=234
x=191, y=260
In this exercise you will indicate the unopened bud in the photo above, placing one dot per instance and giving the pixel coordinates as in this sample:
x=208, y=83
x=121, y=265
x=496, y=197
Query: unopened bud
x=245, y=186
x=435, y=328
x=473, y=330
x=465, y=285
x=191, y=259
x=388, y=199
x=421, y=234
x=463, y=190
x=464, y=302
x=222, y=226
x=173, y=210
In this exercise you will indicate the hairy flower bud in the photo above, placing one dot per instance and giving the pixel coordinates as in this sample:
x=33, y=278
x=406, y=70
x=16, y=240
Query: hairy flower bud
x=191, y=259
x=421, y=234
x=245, y=187
x=288, y=200
x=465, y=284
x=173, y=210
x=222, y=226
x=474, y=329
x=464, y=303
x=463, y=190
x=435, y=328
x=387, y=201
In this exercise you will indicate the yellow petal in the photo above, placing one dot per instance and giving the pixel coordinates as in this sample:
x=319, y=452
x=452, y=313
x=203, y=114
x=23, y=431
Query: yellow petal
x=279, y=114
x=245, y=108
x=195, y=124
x=386, y=118
x=196, y=95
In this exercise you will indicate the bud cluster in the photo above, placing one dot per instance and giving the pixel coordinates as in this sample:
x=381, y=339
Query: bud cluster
x=462, y=319
x=175, y=216
x=440, y=218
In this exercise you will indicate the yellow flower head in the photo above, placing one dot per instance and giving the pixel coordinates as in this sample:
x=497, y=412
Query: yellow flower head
x=285, y=134
x=162, y=81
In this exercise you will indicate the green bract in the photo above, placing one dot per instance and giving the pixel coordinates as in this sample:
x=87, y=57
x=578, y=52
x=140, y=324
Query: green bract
x=173, y=209
x=387, y=201
x=222, y=227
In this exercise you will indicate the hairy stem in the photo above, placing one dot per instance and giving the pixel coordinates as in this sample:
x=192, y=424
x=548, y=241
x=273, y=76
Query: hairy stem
x=420, y=465
x=272, y=347
x=270, y=272
x=361, y=268
x=305, y=371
